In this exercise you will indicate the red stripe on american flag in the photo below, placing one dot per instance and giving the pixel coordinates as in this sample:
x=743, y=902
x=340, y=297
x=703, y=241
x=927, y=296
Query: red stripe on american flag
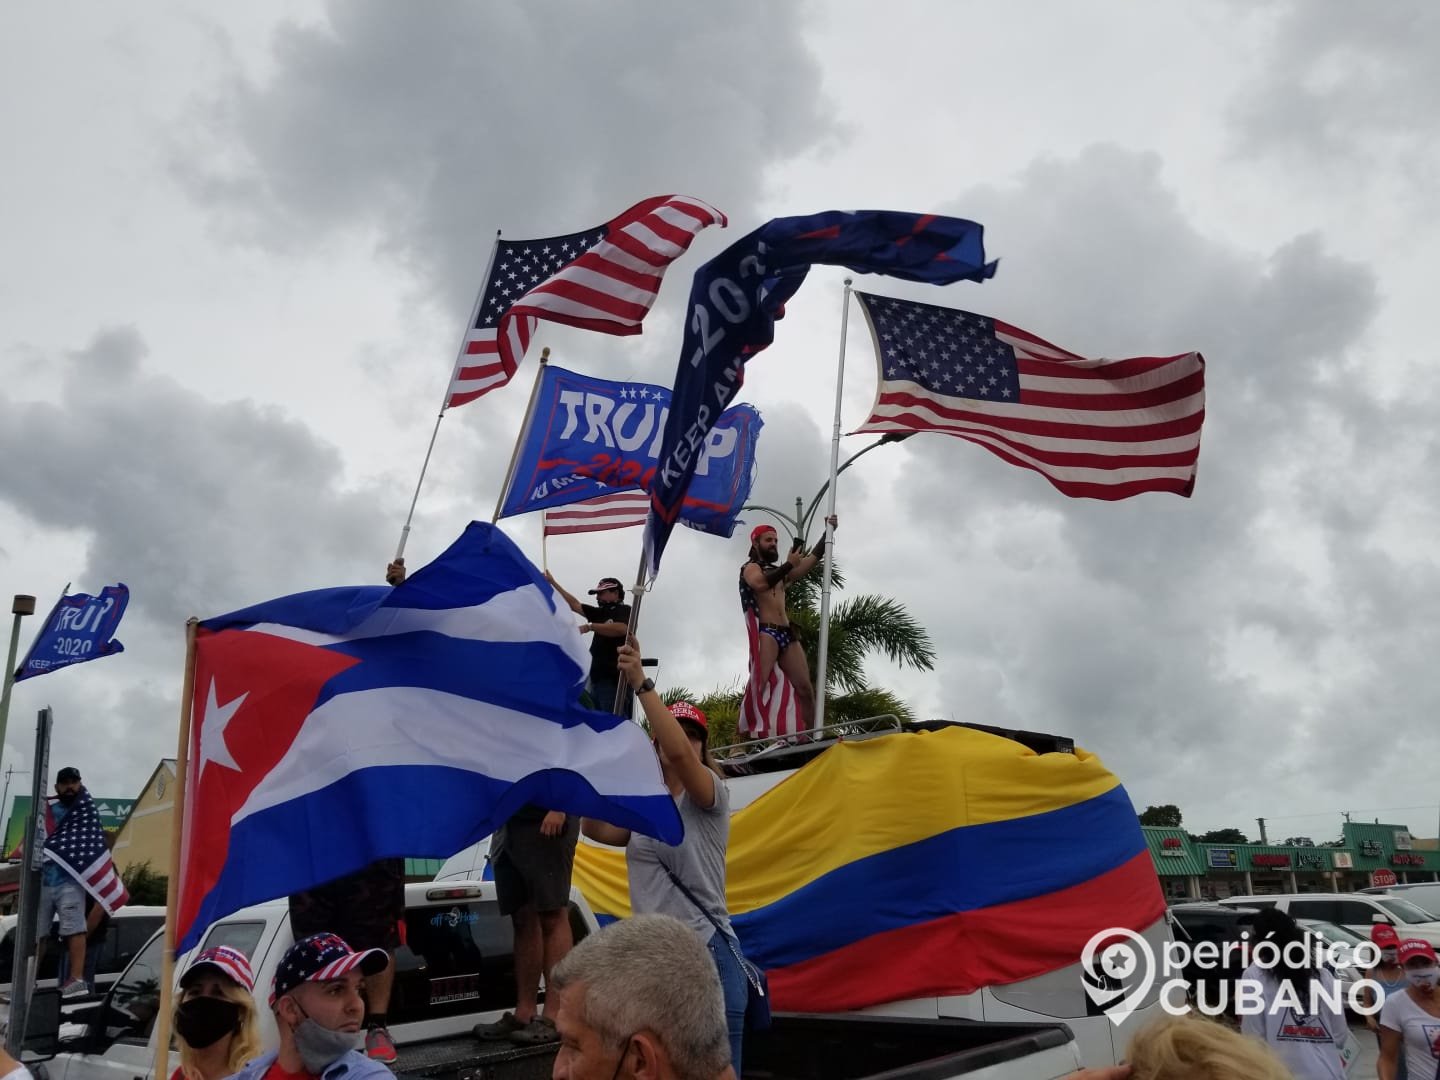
x=620, y=511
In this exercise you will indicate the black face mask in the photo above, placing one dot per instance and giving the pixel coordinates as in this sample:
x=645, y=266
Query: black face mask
x=204, y=1021
x=68, y=798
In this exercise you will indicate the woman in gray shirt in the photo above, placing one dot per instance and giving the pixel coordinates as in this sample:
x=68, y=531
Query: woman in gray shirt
x=661, y=875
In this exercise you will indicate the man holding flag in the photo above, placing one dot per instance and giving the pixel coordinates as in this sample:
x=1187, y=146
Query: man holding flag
x=607, y=621
x=776, y=702
x=77, y=860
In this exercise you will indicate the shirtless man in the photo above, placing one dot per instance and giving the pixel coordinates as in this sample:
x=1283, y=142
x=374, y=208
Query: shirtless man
x=762, y=590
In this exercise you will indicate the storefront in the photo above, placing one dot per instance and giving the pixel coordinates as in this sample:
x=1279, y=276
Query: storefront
x=1373, y=855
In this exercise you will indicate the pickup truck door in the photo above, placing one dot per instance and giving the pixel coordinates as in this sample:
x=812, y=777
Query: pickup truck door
x=119, y=1042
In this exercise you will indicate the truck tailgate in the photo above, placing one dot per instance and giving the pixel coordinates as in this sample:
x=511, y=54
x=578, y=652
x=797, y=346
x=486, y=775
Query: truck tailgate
x=464, y=1057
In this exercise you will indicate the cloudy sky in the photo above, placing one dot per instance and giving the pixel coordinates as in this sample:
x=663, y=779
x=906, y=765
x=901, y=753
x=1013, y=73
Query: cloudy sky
x=240, y=246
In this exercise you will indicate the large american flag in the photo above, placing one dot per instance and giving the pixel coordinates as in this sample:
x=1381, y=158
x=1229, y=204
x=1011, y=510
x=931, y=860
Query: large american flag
x=1097, y=429
x=77, y=845
x=602, y=279
x=618, y=511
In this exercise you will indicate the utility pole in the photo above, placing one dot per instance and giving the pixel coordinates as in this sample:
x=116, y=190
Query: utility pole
x=19, y=607
x=1263, y=838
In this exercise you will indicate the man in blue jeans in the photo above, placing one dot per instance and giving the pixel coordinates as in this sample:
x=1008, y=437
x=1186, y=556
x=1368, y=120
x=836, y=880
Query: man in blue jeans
x=61, y=895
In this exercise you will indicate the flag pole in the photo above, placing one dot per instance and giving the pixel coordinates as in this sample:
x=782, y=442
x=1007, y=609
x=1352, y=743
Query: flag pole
x=637, y=594
x=172, y=886
x=474, y=314
x=520, y=438
x=545, y=548
x=820, y=662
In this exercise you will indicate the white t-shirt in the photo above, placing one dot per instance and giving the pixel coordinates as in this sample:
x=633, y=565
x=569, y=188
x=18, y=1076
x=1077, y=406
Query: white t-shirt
x=1308, y=1043
x=1419, y=1033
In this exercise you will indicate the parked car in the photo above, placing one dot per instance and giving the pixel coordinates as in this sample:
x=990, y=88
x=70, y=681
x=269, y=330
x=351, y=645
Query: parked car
x=1213, y=984
x=1423, y=894
x=110, y=951
x=1354, y=911
x=457, y=969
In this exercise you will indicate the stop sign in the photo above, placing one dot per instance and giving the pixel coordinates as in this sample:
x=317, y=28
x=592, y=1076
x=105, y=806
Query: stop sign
x=1382, y=879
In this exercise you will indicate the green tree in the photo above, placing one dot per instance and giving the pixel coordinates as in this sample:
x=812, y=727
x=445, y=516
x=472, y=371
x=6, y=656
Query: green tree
x=1167, y=815
x=860, y=627
x=145, y=885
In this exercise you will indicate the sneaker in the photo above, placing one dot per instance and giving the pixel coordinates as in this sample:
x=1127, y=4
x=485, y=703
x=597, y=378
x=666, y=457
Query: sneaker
x=379, y=1046
x=75, y=988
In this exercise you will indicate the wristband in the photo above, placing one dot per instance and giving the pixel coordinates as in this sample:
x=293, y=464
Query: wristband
x=646, y=687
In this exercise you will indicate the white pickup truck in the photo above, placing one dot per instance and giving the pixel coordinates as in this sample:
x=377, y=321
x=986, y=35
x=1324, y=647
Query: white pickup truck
x=457, y=970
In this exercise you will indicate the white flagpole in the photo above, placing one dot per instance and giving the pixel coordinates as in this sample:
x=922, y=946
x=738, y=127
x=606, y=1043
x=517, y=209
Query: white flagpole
x=820, y=662
x=520, y=438
x=470, y=325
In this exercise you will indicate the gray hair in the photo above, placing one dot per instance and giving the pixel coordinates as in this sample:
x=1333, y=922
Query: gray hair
x=651, y=973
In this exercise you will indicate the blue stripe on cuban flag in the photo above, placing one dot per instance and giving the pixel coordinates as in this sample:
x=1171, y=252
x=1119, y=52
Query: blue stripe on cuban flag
x=460, y=704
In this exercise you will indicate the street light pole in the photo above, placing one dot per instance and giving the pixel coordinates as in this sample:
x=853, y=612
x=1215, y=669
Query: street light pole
x=20, y=607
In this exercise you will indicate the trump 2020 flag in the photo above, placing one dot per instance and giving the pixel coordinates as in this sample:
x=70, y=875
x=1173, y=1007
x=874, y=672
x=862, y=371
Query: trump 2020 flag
x=588, y=437
x=737, y=296
x=337, y=727
x=1096, y=429
x=80, y=628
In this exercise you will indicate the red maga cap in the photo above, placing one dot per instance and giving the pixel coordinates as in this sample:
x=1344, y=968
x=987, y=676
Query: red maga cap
x=759, y=531
x=683, y=710
x=1410, y=948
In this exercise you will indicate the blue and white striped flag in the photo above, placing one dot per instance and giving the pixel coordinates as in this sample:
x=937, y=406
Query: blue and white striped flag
x=334, y=728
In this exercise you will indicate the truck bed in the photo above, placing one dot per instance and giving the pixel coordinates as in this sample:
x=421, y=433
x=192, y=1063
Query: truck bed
x=813, y=1046
x=464, y=1057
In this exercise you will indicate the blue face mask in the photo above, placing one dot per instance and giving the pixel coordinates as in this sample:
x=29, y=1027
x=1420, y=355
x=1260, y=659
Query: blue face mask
x=319, y=1047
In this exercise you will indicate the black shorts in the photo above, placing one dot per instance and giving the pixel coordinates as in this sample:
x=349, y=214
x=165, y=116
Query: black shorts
x=533, y=870
x=365, y=908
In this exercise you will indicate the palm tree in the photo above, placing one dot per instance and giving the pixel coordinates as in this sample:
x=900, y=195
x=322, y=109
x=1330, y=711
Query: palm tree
x=859, y=627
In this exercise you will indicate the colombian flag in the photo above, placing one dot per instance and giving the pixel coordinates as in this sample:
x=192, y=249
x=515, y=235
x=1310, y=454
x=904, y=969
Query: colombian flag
x=922, y=864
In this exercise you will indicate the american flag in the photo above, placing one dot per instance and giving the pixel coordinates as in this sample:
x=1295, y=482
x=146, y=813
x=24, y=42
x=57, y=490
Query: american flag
x=619, y=511
x=602, y=279
x=77, y=845
x=1096, y=429
x=771, y=710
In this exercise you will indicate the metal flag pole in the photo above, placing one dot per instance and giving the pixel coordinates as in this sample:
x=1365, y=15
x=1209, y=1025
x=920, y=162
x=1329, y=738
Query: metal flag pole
x=19, y=607
x=172, y=886
x=524, y=434
x=474, y=314
x=637, y=594
x=820, y=662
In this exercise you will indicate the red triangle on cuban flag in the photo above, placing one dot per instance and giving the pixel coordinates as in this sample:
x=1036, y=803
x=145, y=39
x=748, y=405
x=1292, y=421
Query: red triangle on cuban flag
x=251, y=696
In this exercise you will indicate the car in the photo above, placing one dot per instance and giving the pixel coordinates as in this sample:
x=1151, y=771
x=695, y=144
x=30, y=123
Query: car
x=1212, y=984
x=1340, y=943
x=108, y=954
x=1423, y=894
x=1354, y=911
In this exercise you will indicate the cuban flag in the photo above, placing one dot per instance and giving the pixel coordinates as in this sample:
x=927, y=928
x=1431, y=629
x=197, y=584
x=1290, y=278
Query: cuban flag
x=337, y=727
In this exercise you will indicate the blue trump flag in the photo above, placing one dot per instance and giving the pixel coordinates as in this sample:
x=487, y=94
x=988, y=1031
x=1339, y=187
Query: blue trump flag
x=737, y=296
x=588, y=437
x=81, y=627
